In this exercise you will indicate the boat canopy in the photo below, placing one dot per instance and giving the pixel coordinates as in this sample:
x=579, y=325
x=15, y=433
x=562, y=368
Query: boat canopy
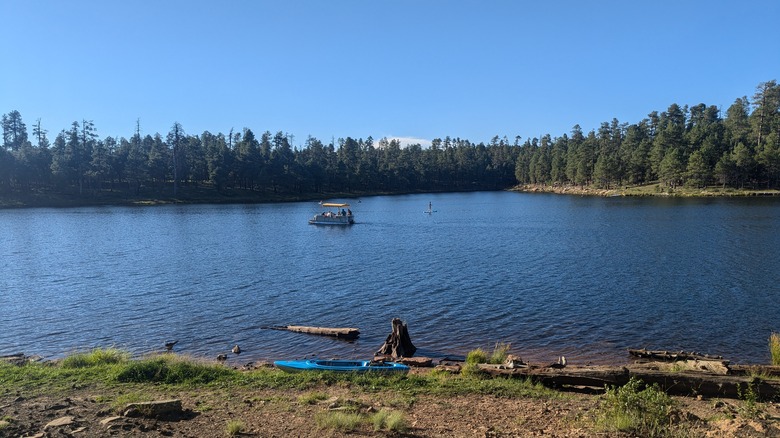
x=329, y=204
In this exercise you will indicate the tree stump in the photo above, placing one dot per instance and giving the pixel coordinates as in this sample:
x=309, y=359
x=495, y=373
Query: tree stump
x=398, y=343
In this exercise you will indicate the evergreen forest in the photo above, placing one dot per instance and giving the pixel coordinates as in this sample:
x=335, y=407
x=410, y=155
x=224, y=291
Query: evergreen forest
x=696, y=146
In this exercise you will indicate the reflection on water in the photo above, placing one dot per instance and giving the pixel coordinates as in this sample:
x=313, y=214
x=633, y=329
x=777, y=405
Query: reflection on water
x=552, y=275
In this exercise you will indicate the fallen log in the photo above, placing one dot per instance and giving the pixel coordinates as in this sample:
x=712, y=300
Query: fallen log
x=688, y=365
x=338, y=332
x=678, y=383
x=756, y=370
x=671, y=355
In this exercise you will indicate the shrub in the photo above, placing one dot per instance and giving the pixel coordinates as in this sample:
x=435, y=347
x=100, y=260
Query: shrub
x=643, y=412
x=499, y=354
x=774, y=347
x=476, y=356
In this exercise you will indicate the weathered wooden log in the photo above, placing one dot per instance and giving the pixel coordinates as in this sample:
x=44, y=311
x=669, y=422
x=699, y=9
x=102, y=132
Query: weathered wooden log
x=679, y=383
x=689, y=365
x=337, y=332
x=755, y=370
x=671, y=355
x=398, y=342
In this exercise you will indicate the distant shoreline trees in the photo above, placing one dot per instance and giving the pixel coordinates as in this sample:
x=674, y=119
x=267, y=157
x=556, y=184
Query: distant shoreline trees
x=694, y=146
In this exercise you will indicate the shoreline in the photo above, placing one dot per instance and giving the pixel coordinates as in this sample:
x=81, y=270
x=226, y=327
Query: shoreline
x=207, y=195
x=646, y=190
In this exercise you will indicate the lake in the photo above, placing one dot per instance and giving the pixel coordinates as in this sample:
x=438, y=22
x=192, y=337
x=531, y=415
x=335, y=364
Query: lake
x=584, y=277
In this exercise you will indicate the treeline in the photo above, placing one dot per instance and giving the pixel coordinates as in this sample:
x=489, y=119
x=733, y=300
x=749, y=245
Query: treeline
x=79, y=162
x=695, y=146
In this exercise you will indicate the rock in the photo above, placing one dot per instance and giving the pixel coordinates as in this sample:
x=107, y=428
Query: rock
x=513, y=361
x=59, y=422
x=110, y=420
x=154, y=409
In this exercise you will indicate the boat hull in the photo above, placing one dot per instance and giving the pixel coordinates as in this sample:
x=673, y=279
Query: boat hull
x=342, y=366
x=331, y=220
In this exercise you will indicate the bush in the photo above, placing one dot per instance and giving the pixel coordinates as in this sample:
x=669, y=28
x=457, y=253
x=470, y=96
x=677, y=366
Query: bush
x=643, y=412
x=499, y=354
x=476, y=356
x=774, y=348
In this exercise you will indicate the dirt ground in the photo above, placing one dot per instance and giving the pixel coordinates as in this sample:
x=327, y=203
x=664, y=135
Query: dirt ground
x=292, y=413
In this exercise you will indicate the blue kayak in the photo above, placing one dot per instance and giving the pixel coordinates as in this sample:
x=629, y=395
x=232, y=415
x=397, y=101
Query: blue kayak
x=349, y=366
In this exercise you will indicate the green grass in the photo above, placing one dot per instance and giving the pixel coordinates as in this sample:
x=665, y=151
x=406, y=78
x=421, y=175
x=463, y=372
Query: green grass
x=644, y=412
x=774, y=348
x=312, y=398
x=477, y=356
x=112, y=369
x=497, y=356
x=339, y=420
x=96, y=357
x=235, y=427
x=390, y=421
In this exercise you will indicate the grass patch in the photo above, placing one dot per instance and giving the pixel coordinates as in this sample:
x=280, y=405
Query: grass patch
x=102, y=369
x=338, y=420
x=774, y=348
x=96, y=357
x=476, y=356
x=644, y=412
x=171, y=369
x=389, y=421
x=235, y=427
x=497, y=356
x=312, y=398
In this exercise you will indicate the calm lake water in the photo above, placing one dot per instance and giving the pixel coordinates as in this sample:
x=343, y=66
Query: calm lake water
x=552, y=275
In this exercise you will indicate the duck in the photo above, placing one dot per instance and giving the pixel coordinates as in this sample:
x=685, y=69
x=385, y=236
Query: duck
x=222, y=357
x=560, y=364
x=169, y=345
x=236, y=349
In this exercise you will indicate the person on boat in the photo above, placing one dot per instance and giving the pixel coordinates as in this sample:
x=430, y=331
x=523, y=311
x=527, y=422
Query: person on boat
x=343, y=212
x=349, y=212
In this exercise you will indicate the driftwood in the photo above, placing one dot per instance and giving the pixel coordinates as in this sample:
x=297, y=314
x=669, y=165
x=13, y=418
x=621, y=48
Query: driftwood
x=19, y=359
x=398, y=342
x=690, y=383
x=340, y=332
x=417, y=362
x=671, y=355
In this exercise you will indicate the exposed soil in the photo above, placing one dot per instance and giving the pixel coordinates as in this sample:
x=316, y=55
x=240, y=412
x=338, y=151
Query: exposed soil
x=287, y=413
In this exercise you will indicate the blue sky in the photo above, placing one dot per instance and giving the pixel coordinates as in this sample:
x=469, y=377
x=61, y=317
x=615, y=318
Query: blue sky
x=411, y=69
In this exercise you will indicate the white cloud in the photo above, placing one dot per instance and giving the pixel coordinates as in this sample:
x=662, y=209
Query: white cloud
x=407, y=141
